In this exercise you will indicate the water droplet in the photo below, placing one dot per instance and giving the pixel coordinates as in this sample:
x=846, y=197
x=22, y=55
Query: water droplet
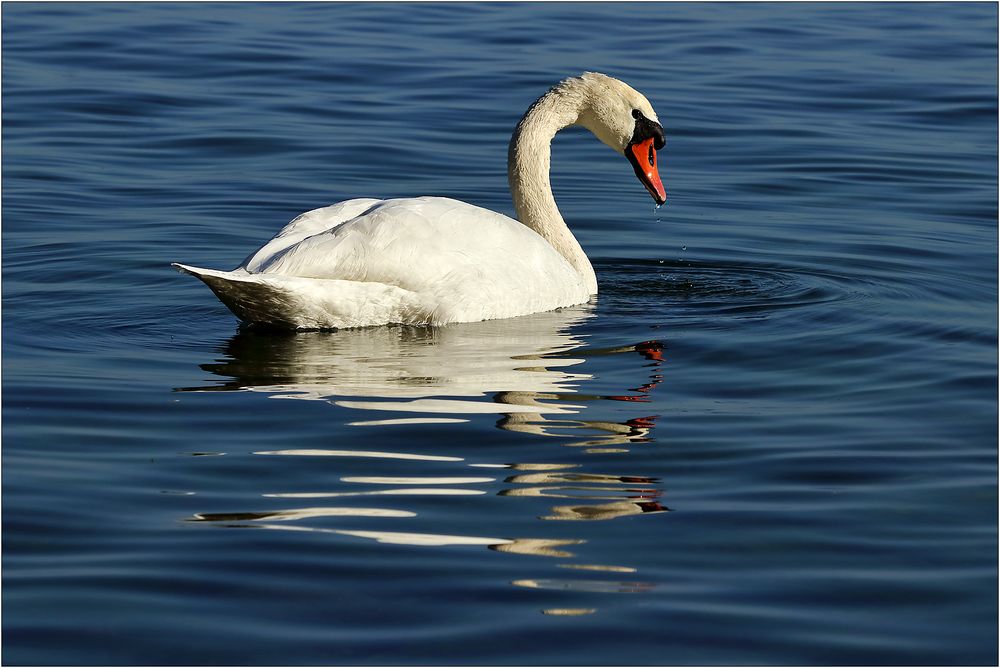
x=657, y=206
x=684, y=248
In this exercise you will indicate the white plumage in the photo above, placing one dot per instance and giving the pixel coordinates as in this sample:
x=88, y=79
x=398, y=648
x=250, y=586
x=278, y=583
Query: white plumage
x=426, y=260
x=433, y=260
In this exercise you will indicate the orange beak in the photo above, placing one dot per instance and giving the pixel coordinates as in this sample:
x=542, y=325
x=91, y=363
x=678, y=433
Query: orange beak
x=642, y=156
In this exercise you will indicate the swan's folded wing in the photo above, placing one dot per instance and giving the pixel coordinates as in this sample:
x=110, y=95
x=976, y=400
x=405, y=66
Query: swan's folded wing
x=420, y=244
x=306, y=225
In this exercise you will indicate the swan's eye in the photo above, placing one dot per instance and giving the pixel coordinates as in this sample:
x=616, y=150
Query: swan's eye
x=652, y=156
x=636, y=113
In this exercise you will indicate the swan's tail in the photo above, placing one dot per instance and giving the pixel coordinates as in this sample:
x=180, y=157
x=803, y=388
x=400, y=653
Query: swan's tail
x=249, y=298
x=291, y=302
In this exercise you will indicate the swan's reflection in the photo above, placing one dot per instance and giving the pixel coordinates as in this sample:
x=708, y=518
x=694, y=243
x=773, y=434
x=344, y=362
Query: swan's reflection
x=520, y=369
x=401, y=362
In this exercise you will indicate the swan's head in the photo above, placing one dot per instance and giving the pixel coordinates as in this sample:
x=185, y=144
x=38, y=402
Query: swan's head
x=622, y=118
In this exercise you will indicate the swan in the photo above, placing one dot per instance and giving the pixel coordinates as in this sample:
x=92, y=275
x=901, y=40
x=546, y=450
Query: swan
x=434, y=260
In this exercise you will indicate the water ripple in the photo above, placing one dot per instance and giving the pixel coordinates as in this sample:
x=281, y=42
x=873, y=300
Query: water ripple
x=721, y=289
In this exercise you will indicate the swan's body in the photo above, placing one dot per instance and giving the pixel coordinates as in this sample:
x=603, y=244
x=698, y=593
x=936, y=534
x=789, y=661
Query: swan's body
x=433, y=260
x=427, y=260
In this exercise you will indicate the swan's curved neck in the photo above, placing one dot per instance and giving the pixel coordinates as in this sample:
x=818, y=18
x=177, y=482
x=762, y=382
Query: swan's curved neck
x=528, y=159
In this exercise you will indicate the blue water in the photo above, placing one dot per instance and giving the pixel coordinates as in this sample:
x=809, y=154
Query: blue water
x=770, y=440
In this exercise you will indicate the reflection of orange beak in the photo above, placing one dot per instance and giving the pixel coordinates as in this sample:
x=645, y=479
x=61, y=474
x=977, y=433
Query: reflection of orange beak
x=642, y=156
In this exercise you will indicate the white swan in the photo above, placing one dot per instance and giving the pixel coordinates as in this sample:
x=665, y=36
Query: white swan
x=433, y=260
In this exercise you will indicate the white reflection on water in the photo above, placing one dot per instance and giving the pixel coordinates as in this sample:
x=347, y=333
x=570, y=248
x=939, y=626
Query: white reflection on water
x=520, y=369
x=410, y=480
x=569, y=612
x=410, y=363
x=301, y=513
x=599, y=567
x=404, y=491
x=602, y=586
x=359, y=453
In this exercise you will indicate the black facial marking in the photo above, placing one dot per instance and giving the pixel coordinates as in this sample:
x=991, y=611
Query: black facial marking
x=645, y=128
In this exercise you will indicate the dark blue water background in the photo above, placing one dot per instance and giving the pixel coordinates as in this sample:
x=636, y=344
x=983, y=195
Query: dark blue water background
x=800, y=468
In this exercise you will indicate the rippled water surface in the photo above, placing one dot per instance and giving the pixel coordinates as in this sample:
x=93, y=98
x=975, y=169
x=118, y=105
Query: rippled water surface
x=770, y=440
